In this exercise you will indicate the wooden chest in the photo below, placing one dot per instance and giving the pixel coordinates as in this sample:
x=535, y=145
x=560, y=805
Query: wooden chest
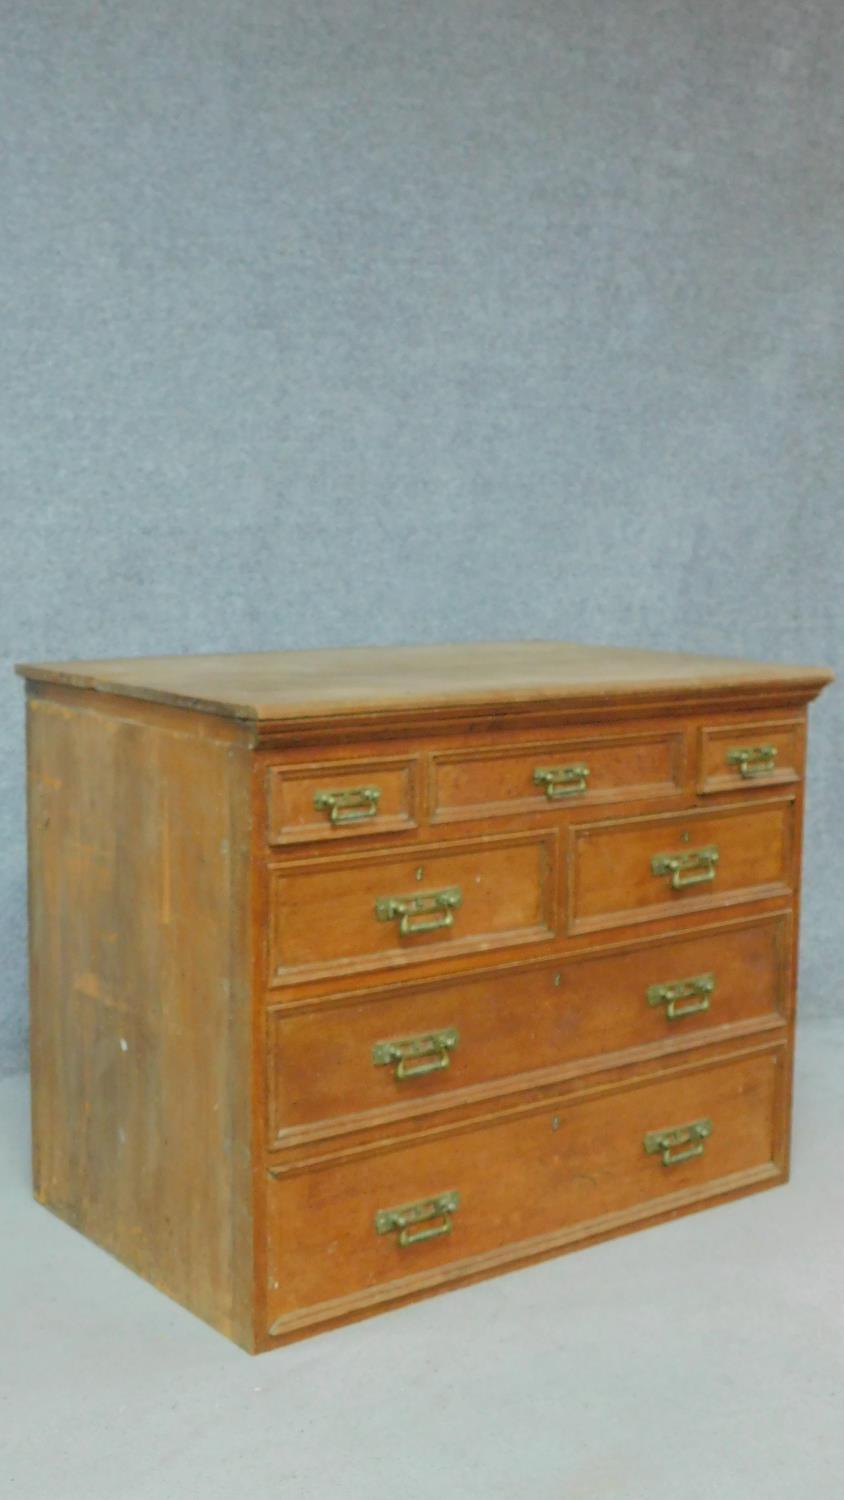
x=358, y=975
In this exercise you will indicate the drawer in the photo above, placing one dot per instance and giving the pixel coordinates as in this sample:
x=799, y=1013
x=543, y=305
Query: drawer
x=431, y=1046
x=341, y=799
x=748, y=756
x=341, y=915
x=551, y=776
x=643, y=869
x=350, y=1232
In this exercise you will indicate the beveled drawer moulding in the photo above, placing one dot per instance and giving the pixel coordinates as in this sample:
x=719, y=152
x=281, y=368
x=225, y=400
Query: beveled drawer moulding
x=359, y=975
x=734, y=757
x=312, y=803
x=366, y=911
x=577, y=1166
x=382, y=1056
x=522, y=777
x=639, y=869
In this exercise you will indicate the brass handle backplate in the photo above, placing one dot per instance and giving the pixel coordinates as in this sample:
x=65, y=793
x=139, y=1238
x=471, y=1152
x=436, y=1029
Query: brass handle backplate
x=698, y=990
x=701, y=862
x=692, y=1136
x=435, y=1049
x=350, y=805
x=390, y=1220
x=442, y=903
x=561, y=781
x=755, y=760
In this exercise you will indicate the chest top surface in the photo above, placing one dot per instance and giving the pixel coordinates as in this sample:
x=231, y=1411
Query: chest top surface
x=279, y=685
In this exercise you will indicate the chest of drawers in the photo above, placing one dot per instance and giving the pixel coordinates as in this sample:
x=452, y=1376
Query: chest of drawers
x=359, y=975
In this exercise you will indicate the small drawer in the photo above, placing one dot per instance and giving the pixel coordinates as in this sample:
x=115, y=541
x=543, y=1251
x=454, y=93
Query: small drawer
x=431, y=1046
x=643, y=869
x=349, y=1233
x=341, y=799
x=337, y=916
x=749, y=756
x=551, y=776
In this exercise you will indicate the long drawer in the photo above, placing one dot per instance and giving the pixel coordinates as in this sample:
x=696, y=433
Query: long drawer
x=550, y=776
x=428, y=1046
x=384, y=910
x=348, y=1233
x=629, y=870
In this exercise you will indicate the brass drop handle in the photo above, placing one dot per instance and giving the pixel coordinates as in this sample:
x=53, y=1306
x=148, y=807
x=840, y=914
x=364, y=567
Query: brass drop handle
x=561, y=781
x=442, y=903
x=755, y=760
x=390, y=1220
x=692, y=1136
x=698, y=990
x=701, y=862
x=434, y=1047
x=350, y=805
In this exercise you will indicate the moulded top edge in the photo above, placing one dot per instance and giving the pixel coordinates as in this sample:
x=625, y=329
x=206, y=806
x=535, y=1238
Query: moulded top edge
x=279, y=686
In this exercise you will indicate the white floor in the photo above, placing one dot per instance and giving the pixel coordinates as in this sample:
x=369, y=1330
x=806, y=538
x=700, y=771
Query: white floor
x=703, y=1360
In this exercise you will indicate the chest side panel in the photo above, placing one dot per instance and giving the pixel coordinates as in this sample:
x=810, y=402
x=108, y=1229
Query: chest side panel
x=140, y=994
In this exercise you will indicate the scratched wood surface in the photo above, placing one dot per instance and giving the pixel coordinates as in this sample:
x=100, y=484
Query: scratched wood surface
x=140, y=995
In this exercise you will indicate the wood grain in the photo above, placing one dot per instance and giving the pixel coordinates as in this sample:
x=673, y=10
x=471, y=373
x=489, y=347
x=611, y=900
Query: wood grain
x=613, y=883
x=522, y=1028
x=293, y=792
x=555, y=1168
x=209, y=976
x=278, y=684
x=323, y=913
x=785, y=737
x=140, y=999
x=500, y=781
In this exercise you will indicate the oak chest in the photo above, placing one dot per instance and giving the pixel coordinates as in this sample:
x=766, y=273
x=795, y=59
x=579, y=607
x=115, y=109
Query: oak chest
x=358, y=975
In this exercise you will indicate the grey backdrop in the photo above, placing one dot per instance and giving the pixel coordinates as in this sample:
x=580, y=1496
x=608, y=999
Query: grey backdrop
x=333, y=321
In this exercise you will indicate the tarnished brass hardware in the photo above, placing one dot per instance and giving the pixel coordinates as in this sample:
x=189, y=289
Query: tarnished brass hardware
x=387, y=1220
x=561, y=781
x=436, y=1046
x=756, y=760
x=697, y=989
x=350, y=805
x=444, y=903
x=703, y=861
x=662, y=1142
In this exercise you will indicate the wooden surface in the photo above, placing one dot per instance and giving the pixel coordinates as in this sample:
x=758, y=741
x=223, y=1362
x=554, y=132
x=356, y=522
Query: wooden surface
x=292, y=792
x=518, y=1028
x=210, y=974
x=323, y=916
x=783, y=736
x=472, y=783
x=557, y=1167
x=612, y=882
x=301, y=684
x=140, y=999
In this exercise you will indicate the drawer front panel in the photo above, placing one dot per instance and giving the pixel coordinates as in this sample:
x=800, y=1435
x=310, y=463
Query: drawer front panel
x=451, y=1204
x=406, y=1051
x=341, y=799
x=644, y=869
x=750, y=756
x=339, y=916
x=553, y=776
